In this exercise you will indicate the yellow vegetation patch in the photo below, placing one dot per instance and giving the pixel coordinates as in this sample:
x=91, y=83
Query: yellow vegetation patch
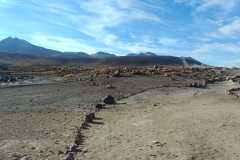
x=69, y=75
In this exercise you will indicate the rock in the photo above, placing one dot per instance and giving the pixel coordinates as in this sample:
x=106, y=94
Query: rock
x=95, y=75
x=155, y=67
x=12, y=79
x=16, y=155
x=166, y=75
x=76, y=142
x=193, y=85
x=109, y=86
x=25, y=157
x=67, y=147
x=60, y=152
x=117, y=73
x=88, y=118
x=99, y=106
x=85, y=151
x=92, y=114
x=69, y=156
x=126, y=69
x=108, y=99
x=106, y=70
x=107, y=76
x=73, y=148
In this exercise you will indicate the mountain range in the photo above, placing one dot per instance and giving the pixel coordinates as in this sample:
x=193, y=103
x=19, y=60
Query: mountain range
x=142, y=54
x=21, y=46
x=14, y=50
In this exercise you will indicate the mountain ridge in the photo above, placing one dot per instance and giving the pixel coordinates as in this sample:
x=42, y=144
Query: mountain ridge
x=17, y=45
x=142, y=54
x=14, y=50
x=101, y=54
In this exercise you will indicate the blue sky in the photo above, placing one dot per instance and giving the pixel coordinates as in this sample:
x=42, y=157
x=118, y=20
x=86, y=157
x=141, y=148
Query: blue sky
x=207, y=30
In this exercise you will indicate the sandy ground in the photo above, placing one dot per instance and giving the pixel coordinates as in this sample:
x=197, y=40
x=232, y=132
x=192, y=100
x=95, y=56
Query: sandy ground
x=39, y=122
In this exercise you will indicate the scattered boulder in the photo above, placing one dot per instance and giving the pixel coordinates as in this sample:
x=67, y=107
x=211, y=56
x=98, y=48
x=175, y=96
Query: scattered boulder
x=108, y=99
x=166, y=75
x=12, y=79
x=73, y=148
x=193, y=84
x=69, y=156
x=77, y=137
x=60, y=152
x=109, y=86
x=92, y=114
x=99, y=106
x=117, y=73
x=106, y=70
x=198, y=85
x=126, y=69
x=95, y=75
x=88, y=118
x=85, y=151
x=107, y=76
x=76, y=141
x=25, y=157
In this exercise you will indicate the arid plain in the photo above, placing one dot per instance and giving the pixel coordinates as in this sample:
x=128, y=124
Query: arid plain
x=159, y=113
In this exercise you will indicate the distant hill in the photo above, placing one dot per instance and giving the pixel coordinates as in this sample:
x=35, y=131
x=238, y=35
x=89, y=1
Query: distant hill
x=146, y=61
x=190, y=60
x=21, y=46
x=142, y=54
x=102, y=55
x=123, y=61
x=76, y=54
x=17, y=51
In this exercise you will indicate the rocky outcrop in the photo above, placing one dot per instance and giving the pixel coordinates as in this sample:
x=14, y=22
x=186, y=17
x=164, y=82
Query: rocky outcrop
x=108, y=99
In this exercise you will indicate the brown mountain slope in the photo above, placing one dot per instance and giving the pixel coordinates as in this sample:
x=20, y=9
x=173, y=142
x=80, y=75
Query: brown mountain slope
x=21, y=58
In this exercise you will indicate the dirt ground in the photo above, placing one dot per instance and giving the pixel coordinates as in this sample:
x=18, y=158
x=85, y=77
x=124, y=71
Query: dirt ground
x=151, y=122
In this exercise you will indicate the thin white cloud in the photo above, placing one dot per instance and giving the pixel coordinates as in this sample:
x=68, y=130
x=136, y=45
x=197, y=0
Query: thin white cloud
x=1, y=38
x=221, y=3
x=231, y=63
x=204, y=5
x=185, y=1
x=96, y=18
x=135, y=47
x=148, y=41
x=218, y=48
x=217, y=22
x=205, y=39
x=132, y=35
x=62, y=44
x=232, y=28
x=218, y=54
x=110, y=14
x=109, y=39
x=169, y=41
x=8, y=3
